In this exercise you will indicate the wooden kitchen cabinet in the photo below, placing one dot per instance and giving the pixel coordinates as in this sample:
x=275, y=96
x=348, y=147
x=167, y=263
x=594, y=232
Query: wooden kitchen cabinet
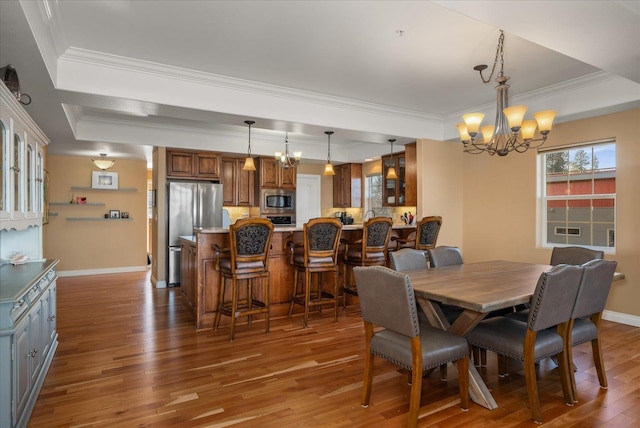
x=347, y=186
x=274, y=176
x=238, y=185
x=190, y=164
x=401, y=191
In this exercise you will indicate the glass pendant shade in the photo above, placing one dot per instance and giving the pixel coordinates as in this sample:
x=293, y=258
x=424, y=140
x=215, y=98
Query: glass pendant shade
x=464, y=134
x=514, y=115
x=328, y=169
x=487, y=133
x=473, y=120
x=103, y=163
x=545, y=120
x=528, y=129
x=249, y=165
x=391, y=174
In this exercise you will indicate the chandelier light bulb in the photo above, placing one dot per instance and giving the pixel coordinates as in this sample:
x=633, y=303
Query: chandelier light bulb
x=473, y=121
x=515, y=115
x=545, y=120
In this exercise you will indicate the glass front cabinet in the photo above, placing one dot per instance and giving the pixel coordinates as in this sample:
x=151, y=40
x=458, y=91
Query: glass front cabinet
x=22, y=146
x=393, y=189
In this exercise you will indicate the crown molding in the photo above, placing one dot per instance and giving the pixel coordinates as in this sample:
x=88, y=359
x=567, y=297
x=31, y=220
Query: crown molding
x=99, y=59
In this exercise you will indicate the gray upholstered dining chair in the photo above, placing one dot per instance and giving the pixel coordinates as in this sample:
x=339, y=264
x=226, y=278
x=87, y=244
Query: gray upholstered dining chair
x=387, y=300
x=444, y=256
x=587, y=313
x=552, y=305
x=574, y=255
x=562, y=256
x=407, y=259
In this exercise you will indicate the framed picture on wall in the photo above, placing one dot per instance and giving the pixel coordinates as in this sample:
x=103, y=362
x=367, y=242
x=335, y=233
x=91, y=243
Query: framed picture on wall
x=104, y=180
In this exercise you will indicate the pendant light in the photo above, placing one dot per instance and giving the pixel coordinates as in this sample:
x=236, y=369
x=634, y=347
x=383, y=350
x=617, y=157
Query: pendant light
x=248, y=162
x=103, y=163
x=391, y=173
x=328, y=168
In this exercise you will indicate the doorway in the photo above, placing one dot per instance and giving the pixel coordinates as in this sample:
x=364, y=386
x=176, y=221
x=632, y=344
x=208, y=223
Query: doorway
x=307, y=198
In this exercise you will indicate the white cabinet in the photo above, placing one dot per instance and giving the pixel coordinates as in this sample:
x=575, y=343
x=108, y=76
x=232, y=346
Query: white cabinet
x=22, y=156
x=28, y=337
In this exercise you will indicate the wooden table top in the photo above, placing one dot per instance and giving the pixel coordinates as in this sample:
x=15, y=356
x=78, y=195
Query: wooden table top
x=481, y=287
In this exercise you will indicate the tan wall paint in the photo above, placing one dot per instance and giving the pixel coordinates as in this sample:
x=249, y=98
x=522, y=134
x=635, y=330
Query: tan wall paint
x=94, y=245
x=440, y=190
x=499, y=201
x=159, y=219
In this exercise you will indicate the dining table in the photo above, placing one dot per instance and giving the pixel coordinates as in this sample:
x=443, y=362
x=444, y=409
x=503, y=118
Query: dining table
x=477, y=288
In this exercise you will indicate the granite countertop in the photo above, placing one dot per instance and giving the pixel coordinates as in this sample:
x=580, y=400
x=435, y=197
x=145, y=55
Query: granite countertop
x=289, y=229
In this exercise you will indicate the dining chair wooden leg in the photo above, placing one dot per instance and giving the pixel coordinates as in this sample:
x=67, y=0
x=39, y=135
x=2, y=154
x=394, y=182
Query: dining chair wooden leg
x=566, y=369
x=234, y=307
x=220, y=302
x=483, y=357
x=368, y=366
x=335, y=295
x=416, y=382
x=295, y=291
x=598, y=360
x=267, y=303
x=503, y=366
x=463, y=381
x=307, y=296
x=530, y=376
x=443, y=372
x=476, y=355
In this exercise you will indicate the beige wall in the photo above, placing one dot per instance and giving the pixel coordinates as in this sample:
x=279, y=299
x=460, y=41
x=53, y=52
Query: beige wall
x=498, y=199
x=440, y=190
x=96, y=245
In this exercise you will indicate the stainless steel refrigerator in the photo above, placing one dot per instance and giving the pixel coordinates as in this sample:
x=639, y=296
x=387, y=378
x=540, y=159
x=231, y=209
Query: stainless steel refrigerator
x=191, y=204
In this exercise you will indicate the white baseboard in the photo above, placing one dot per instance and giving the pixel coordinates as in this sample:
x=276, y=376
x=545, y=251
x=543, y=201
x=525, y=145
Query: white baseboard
x=622, y=318
x=82, y=272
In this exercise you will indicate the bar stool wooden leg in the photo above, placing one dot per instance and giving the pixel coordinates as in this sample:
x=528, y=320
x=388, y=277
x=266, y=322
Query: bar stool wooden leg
x=234, y=307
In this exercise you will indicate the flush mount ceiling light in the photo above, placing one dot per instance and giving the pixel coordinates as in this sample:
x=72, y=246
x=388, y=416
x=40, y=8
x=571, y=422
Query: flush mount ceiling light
x=391, y=173
x=328, y=168
x=248, y=162
x=510, y=132
x=283, y=159
x=103, y=163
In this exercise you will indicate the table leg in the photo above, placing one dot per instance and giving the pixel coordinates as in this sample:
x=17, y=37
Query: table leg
x=478, y=390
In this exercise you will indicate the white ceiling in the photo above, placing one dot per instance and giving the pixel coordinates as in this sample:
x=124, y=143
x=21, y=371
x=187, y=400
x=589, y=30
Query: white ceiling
x=118, y=77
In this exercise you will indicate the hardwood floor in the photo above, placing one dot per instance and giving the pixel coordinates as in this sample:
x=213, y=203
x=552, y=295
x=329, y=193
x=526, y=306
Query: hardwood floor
x=129, y=356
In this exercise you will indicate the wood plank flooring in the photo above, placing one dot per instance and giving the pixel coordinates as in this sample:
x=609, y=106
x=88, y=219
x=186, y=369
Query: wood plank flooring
x=129, y=357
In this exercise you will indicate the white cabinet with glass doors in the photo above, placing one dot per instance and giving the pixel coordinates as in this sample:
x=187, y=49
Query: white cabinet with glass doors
x=22, y=166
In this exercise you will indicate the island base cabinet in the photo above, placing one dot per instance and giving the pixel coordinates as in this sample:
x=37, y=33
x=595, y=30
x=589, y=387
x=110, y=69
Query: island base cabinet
x=28, y=340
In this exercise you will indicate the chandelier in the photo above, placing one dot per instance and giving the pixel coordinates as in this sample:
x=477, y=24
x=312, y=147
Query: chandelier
x=283, y=159
x=103, y=163
x=510, y=132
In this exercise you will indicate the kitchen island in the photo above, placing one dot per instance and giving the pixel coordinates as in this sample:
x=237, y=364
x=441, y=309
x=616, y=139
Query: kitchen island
x=200, y=281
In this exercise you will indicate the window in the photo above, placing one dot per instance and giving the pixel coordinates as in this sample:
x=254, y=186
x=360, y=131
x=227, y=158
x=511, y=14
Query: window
x=373, y=193
x=578, y=189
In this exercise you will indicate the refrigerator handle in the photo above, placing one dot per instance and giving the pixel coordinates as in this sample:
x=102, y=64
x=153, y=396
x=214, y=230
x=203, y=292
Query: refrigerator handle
x=196, y=207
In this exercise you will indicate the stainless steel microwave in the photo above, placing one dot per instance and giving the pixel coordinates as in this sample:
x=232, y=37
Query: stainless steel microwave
x=277, y=201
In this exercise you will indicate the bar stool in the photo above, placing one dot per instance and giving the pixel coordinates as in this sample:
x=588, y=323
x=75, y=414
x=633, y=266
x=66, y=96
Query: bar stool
x=321, y=238
x=371, y=250
x=425, y=236
x=245, y=260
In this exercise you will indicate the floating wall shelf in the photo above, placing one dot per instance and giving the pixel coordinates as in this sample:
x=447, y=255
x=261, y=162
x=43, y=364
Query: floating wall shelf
x=88, y=204
x=98, y=219
x=121, y=189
